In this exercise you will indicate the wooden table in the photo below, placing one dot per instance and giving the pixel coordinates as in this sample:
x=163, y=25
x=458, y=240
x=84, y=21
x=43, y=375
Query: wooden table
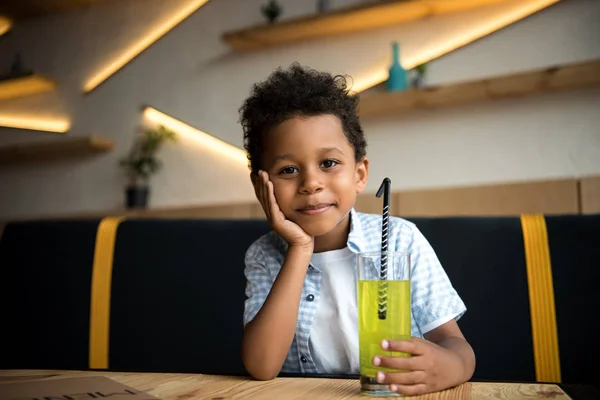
x=189, y=386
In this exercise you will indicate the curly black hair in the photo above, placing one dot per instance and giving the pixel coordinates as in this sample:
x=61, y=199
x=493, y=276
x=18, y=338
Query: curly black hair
x=298, y=91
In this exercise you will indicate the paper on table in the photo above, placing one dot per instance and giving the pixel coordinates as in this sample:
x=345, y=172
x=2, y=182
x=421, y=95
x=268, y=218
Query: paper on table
x=72, y=389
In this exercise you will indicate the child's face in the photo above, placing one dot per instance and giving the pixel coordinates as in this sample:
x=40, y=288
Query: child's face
x=314, y=173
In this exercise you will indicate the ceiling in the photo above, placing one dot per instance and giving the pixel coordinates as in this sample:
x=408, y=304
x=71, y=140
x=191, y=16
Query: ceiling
x=23, y=9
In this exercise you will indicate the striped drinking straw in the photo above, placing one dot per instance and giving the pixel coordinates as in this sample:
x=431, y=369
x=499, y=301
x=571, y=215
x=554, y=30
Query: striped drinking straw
x=383, y=287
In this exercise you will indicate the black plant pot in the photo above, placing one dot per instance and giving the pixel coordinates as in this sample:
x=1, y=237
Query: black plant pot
x=137, y=196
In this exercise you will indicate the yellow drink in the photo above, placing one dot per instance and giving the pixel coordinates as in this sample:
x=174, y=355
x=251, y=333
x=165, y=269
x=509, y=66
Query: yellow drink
x=372, y=330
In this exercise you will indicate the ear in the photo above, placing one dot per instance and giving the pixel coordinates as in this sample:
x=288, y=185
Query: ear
x=361, y=175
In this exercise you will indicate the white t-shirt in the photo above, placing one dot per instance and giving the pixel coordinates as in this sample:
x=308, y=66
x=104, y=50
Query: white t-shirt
x=334, y=332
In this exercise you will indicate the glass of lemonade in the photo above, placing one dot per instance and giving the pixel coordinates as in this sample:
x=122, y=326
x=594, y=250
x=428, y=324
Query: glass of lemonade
x=383, y=312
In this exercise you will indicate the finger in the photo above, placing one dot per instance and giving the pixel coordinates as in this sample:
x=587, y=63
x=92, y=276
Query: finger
x=412, y=346
x=275, y=212
x=257, y=183
x=409, y=390
x=258, y=190
x=264, y=196
x=398, y=363
x=401, y=378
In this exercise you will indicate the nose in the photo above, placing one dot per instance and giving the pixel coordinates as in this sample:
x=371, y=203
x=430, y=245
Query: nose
x=311, y=182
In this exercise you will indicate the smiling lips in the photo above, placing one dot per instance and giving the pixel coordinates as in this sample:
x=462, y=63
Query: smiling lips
x=315, y=209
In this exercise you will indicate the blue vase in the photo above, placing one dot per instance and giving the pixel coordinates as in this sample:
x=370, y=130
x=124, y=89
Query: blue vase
x=397, y=78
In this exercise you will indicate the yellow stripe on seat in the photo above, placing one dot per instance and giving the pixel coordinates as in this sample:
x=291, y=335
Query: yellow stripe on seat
x=541, y=298
x=100, y=294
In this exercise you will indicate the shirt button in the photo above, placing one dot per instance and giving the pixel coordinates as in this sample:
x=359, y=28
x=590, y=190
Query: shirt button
x=310, y=297
x=303, y=359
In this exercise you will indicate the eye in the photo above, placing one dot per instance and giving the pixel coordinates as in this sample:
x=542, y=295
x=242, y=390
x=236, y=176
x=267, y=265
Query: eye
x=288, y=170
x=329, y=163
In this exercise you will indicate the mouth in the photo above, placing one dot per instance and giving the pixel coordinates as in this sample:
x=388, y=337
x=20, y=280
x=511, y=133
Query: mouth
x=315, y=209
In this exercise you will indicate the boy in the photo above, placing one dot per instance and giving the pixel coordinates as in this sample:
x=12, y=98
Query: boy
x=306, y=151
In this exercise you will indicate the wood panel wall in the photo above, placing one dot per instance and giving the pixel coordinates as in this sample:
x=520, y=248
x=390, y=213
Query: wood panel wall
x=590, y=195
x=547, y=197
x=229, y=211
x=566, y=196
x=511, y=199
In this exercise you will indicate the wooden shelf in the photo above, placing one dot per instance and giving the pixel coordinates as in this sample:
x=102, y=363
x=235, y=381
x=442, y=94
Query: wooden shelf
x=24, y=86
x=54, y=150
x=344, y=21
x=377, y=102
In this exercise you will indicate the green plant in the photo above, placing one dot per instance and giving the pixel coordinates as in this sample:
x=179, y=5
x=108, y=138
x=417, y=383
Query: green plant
x=271, y=10
x=141, y=162
x=421, y=68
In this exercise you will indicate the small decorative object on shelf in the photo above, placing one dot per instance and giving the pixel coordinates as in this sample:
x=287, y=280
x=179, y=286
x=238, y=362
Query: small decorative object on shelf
x=272, y=10
x=141, y=163
x=418, y=79
x=17, y=69
x=323, y=5
x=397, y=78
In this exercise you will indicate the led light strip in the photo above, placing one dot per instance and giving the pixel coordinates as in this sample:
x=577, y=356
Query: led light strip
x=203, y=138
x=48, y=125
x=5, y=25
x=134, y=50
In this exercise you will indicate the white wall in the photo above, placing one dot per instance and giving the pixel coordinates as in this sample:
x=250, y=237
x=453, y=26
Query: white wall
x=191, y=75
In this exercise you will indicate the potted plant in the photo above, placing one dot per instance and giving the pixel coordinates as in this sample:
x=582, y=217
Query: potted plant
x=271, y=10
x=419, y=79
x=141, y=163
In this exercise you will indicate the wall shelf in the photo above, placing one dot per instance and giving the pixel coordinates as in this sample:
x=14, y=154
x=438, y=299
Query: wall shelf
x=24, y=85
x=377, y=102
x=344, y=21
x=72, y=147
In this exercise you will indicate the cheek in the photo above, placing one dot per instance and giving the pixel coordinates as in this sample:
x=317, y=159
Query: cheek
x=343, y=180
x=283, y=190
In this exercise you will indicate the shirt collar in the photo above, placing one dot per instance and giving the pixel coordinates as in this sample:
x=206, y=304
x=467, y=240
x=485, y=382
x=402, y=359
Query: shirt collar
x=356, y=237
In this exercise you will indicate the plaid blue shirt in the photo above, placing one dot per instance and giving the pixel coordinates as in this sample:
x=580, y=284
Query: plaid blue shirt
x=434, y=300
